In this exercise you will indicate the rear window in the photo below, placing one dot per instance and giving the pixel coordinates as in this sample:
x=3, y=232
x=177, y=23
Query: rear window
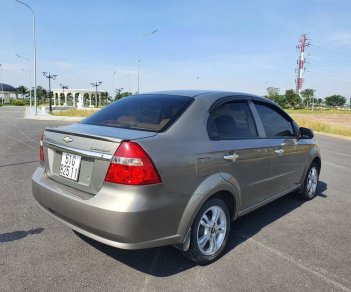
x=142, y=112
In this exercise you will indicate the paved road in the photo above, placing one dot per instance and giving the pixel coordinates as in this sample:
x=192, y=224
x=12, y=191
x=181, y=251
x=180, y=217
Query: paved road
x=286, y=245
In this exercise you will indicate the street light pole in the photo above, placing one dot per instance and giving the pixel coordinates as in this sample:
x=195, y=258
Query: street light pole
x=53, y=77
x=30, y=80
x=96, y=85
x=138, y=59
x=35, y=57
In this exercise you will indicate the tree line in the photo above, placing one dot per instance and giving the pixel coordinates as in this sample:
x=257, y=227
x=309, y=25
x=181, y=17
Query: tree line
x=292, y=100
x=43, y=95
x=288, y=100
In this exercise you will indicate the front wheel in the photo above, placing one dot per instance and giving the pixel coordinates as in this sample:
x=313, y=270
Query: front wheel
x=310, y=183
x=209, y=232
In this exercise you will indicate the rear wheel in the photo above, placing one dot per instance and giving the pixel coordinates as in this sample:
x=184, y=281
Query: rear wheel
x=209, y=232
x=310, y=184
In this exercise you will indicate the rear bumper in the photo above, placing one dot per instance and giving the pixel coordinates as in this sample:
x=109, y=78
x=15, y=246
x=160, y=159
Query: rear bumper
x=127, y=217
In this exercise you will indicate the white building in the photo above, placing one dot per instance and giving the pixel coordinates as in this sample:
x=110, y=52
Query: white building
x=74, y=97
x=6, y=92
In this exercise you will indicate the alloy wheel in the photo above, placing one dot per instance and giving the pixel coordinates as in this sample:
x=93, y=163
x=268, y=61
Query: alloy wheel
x=312, y=180
x=211, y=230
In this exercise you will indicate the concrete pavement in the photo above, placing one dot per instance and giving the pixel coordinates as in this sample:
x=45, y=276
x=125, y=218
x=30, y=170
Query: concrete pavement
x=287, y=245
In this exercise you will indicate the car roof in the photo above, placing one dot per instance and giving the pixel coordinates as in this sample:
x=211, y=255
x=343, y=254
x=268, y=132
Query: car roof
x=204, y=93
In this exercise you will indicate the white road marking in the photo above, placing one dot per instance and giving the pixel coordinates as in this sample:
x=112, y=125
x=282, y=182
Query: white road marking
x=335, y=165
x=19, y=141
x=297, y=263
x=13, y=125
x=338, y=153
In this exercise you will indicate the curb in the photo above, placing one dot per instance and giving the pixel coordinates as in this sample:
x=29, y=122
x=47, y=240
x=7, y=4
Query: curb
x=48, y=117
x=55, y=118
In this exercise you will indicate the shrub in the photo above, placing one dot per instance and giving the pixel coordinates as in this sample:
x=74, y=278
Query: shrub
x=19, y=102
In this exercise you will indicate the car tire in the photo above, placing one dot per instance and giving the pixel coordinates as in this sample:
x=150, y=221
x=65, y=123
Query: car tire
x=209, y=232
x=308, y=191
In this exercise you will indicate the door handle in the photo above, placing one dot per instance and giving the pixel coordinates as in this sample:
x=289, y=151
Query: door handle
x=279, y=151
x=231, y=157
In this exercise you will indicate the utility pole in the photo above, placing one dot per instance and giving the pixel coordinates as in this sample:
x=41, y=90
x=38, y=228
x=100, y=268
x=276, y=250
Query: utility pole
x=53, y=77
x=96, y=85
x=303, y=43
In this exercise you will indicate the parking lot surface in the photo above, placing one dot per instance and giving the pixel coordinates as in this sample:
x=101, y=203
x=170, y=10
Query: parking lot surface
x=286, y=245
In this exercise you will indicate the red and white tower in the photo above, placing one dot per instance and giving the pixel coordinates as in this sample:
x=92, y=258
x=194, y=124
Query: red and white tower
x=303, y=43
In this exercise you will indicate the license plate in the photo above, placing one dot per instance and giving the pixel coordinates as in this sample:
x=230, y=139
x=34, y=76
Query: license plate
x=70, y=164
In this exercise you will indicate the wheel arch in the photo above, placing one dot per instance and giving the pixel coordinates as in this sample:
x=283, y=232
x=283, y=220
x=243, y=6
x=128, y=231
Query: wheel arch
x=318, y=161
x=213, y=186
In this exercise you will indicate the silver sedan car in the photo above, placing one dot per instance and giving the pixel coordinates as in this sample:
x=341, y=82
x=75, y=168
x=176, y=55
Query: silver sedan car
x=173, y=168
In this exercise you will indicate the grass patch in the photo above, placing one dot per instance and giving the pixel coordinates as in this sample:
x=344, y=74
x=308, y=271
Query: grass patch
x=75, y=113
x=319, y=111
x=324, y=127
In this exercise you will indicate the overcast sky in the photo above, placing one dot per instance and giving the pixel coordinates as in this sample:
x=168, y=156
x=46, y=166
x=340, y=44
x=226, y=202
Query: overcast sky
x=210, y=44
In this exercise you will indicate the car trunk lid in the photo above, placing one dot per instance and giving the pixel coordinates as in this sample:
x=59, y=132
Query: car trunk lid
x=95, y=145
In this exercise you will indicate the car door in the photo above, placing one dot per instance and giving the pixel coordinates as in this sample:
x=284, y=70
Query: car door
x=282, y=143
x=239, y=157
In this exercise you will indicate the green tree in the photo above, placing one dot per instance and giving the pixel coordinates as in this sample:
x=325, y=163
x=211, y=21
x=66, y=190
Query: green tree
x=292, y=99
x=308, y=96
x=122, y=94
x=272, y=92
x=41, y=94
x=273, y=95
x=335, y=100
x=105, y=98
x=279, y=100
x=22, y=90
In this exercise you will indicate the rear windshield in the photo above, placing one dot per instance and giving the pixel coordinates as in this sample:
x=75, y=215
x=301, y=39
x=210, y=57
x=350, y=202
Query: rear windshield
x=142, y=112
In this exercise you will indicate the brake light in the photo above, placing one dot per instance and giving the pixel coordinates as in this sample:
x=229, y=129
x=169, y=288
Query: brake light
x=131, y=165
x=41, y=148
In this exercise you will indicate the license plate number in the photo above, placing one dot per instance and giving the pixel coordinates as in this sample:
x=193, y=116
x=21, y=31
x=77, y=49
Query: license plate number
x=70, y=164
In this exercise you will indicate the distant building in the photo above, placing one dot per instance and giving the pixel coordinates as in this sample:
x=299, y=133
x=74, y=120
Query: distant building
x=7, y=91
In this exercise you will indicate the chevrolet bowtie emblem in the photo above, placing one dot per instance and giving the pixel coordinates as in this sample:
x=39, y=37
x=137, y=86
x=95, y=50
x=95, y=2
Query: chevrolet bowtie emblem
x=67, y=139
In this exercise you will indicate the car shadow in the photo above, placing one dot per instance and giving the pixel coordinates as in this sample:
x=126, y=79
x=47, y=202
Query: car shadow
x=16, y=235
x=168, y=261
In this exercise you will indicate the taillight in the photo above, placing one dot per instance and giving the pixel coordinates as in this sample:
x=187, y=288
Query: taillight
x=41, y=148
x=131, y=165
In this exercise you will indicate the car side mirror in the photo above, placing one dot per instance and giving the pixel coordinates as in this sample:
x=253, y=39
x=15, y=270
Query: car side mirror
x=305, y=133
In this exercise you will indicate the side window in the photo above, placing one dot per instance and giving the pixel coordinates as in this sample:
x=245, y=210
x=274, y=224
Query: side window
x=231, y=120
x=275, y=124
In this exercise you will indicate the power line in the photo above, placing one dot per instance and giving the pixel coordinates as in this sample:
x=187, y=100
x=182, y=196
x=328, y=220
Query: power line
x=340, y=57
x=333, y=50
x=322, y=75
x=329, y=68
x=331, y=61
